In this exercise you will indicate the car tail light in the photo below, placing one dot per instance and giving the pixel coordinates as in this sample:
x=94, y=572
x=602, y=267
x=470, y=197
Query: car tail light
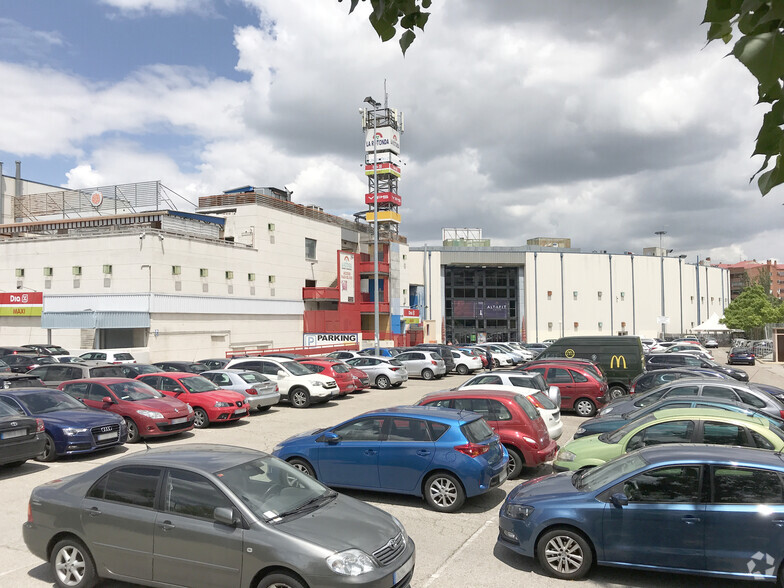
x=434, y=362
x=393, y=369
x=632, y=388
x=472, y=449
x=530, y=441
x=781, y=412
x=39, y=426
x=252, y=391
x=29, y=512
x=535, y=402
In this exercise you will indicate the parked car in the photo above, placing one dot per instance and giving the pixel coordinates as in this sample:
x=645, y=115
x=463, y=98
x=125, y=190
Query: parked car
x=5, y=368
x=382, y=351
x=296, y=383
x=210, y=404
x=361, y=378
x=659, y=361
x=181, y=366
x=501, y=357
x=13, y=380
x=580, y=390
x=70, y=427
x=466, y=363
x=586, y=364
x=344, y=355
x=446, y=455
x=53, y=375
x=106, y=356
x=521, y=349
x=11, y=350
x=650, y=380
x=741, y=355
x=617, y=419
x=47, y=349
x=384, y=372
x=147, y=412
x=424, y=364
x=21, y=437
x=769, y=388
x=444, y=351
x=215, y=363
x=198, y=515
x=68, y=358
x=22, y=363
x=521, y=428
x=535, y=348
x=675, y=425
x=711, y=344
x=334, y=368
x=131, y=370
x=474, y=352
x=292, y=356
x=260, y=392
x=690, y=348
x=530, y=379
x=675, y=508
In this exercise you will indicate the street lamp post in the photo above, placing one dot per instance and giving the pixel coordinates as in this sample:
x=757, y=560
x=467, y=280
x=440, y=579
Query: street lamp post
x=375, y=106
x=663, y=325
x=680, y=275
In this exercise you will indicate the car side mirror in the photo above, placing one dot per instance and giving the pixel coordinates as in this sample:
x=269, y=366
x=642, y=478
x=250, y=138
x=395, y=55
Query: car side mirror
x=107, y=400
x=225, y=516
x=619, y=500
x=281, y=374
x=331, y=438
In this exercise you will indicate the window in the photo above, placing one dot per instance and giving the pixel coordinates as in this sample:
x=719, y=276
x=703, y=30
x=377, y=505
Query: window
x=367, y=429
x=681, y=391
x=761, y=441
x=219, y=379
x=523, y=382
x=578, y=377
x=485, y=380
x=719, y=392
x=559, y=376
x=310, y=248
x=12, y=404
x=746, y=486
x=191, y=494
x=658, y=434
x=401, y=429
x=748, y=398
x=443, y=403
x=669, y=484
x=77, y=390
x=134, y=485
x=169, y=385
x=438, y=429
x=724, y=434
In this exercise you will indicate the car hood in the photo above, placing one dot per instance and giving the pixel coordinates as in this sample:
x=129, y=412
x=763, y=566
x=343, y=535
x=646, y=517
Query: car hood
x=590, y=448
x=220, y=395
x=344, y=523
x=165, y=406
x=302, y=436
x=86, y=417
x=551, y=486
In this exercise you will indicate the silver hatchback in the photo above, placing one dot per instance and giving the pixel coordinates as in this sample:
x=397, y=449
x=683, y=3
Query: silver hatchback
x=259, y=390
x=383, y=372
x=425, y=364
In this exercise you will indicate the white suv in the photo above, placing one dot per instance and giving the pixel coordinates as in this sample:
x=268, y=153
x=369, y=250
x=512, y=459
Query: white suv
x=295, y=382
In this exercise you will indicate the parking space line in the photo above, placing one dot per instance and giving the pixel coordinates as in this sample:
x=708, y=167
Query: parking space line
x=435, y=575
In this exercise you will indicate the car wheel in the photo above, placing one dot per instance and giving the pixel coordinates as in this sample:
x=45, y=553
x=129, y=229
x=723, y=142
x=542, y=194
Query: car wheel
x=299, y=398
x=200, y=418
x=496, y=363
x=616, y=392
x=564, y=554
x=753, y=362
x=133, y=431
x=462, y=369
x=383, y=382
x=515, y=464
x=302, y=466
x=72, y=565
x=427, y=374
x=280, y=580
x=397, y=385
x=443, y=492
x=264, y=408
x=49, y=453
x=585, y=407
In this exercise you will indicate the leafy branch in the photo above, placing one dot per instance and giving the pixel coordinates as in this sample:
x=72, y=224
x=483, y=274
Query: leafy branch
x=388, y=15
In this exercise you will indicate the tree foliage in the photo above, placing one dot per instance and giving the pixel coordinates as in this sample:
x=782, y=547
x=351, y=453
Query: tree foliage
x=388, y=15
x=760, y=47
x=752, y=309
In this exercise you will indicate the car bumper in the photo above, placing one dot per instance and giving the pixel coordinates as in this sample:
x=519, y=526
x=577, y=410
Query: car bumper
x=540, y=456
x=517, y=535
x=78, y=444
x=394, y=575
x=35, y=538
x=397, y=377
x=167, y=427
x=227, y=415
x=563, y=466
x=555, y=430
x=11, y=451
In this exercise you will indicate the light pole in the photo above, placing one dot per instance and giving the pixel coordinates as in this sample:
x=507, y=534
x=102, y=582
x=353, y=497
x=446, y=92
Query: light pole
x=375, y=106
x=663, y=326
x=680, y=275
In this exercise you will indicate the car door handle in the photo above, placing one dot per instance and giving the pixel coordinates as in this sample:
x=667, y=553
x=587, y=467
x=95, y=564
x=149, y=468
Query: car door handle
x=370, y=452
x=423, y=452
x=93, y=512
x=166, y=525
x=690, y=520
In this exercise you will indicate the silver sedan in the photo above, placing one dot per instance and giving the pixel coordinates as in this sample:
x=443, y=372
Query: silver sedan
x=382, y=371
x=260, y=391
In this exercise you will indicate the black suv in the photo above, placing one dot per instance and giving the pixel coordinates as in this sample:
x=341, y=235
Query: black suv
x=445, y=351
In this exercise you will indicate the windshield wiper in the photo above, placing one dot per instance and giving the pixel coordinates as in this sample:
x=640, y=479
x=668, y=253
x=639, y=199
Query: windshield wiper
x=311, y=504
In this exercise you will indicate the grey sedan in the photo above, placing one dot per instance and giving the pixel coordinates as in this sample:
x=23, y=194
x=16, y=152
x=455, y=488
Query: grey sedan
x=212, y=515
x=259, y=390
x=383, y=372
x=425, y=364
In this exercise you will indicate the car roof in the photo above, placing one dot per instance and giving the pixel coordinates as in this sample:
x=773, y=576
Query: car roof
x=691, y=452
x=497, y=391
x=26, y=391
x=171, y=374
x=102, y=380
x=225, y=371
x=713, y=413
x=445, y=415
x=205, y=456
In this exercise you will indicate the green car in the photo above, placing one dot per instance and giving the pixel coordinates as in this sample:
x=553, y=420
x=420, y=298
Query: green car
x=676, y=425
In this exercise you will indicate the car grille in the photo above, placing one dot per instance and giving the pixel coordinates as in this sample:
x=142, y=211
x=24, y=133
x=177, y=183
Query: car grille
x=177, y=427
x=391, y=550
x=331, y=384
x=96, y=431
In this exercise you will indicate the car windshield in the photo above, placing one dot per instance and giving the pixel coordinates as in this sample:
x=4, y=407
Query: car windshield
x=253, y=377
x=273, y=490
x=196, y=384
x=295, y=368
x=619, y=434
x=593, y=479
x=49, y=401
x=133, y=391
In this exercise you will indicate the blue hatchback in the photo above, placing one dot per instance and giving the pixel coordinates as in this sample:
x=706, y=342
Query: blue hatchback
x=700, y=509
x=71, y=427
x=443, y=454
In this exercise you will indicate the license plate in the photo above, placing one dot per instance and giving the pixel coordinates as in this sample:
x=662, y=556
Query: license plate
x=12, y=434
x=179, y=420
x=503, y=475
x=240, y=411
x=104, y=436
x=403, y=570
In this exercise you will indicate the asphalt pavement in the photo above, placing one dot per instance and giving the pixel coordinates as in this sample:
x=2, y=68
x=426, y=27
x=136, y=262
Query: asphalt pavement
x=453, y=550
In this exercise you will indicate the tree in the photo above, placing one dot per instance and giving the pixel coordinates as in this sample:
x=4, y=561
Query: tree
x=388, y=15
x=752, y=310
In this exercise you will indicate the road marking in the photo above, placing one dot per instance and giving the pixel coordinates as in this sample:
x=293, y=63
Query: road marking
x=437, y=574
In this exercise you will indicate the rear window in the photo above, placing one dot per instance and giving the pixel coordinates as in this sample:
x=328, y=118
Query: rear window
x=477, y=431
x=395, y=362
x=527, y=407
x=524, y=382
x=544, y=400
x=340, y=368
x=123, y=356
x=253, y=377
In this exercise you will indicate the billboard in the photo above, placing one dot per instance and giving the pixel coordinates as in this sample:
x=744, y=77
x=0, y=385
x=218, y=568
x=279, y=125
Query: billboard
x=316, y=339
x=384, y=197
x=387, y=139
x=347, y=281
x=487, y=309
x=22, y=304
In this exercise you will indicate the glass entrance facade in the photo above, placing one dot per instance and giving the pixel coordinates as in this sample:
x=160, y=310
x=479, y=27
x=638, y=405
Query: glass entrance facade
x=481, y=303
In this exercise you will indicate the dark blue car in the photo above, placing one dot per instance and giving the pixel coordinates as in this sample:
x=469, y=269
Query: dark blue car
x=70, y=427
x=442, y=454
x=741, y=355
x=708, y=510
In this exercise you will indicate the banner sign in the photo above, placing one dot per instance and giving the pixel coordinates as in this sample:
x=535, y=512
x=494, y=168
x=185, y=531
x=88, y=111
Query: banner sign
x=411, y=315
x=22, y=304
x=346, y=277
x=384, y=197
x=387, y=139
x=488, y=309
x=316, y=339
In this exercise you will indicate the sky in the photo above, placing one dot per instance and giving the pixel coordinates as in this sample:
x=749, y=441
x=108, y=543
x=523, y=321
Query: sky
x=603, y=121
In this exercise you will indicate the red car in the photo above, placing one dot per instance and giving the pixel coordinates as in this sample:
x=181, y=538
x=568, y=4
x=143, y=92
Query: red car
x=147, y=412
x=339, y=370
x=361, y=379
x=581, y=390
x=514, y=419
x=210, y=404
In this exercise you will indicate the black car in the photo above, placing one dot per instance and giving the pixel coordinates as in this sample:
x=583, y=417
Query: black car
x=21, y=437
x=22, y=363
x=17, y=350
x=660, y=361
x=46, y=349
x=216, y=363
x=12, y=380
x=649, y=380
x=191, y=367
x=741, y=355
x=132, y=370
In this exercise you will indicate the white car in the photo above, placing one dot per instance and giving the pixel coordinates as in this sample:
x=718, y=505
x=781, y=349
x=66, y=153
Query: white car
x=464, y=363
x=98, y=356
x=550, y=412
x=296, y=383
x=501, y=357
x=526, y=354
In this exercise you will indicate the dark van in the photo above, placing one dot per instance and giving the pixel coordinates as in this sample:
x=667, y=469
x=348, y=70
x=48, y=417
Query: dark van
x=445, y=351
x=620, y=357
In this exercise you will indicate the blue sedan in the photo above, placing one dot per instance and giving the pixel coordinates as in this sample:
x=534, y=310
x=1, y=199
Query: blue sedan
x=708, y=510
x=70, y=427
x=442, y=454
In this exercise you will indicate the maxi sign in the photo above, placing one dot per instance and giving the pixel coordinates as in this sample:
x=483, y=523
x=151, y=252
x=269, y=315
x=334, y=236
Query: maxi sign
x=23, y=304
x=317, y=339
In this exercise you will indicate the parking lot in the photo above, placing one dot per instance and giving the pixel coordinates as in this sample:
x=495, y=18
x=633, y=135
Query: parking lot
x=453, y=550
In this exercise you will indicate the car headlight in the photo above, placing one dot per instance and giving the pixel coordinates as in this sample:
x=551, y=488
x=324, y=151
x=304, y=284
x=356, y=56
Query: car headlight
x=190, y=409
x=581, y=430
x=223, y=404
x=73, y=431
x=277, y=448
x=317, y=383
x=351, y=562
x=517, y=511
x=606, y=410
x=565, y=455
x=150, y=414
